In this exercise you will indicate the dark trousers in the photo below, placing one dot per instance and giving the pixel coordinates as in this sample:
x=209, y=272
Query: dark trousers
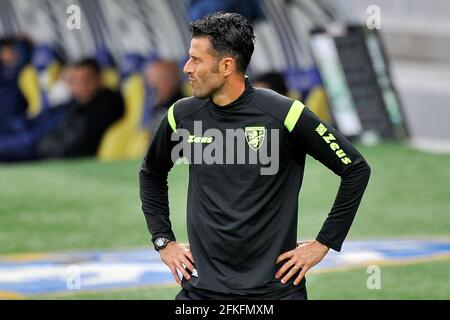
x=184, y=294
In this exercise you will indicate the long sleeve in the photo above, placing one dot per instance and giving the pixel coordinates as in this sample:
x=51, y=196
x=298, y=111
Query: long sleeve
x=153, y=182
x=328, y=146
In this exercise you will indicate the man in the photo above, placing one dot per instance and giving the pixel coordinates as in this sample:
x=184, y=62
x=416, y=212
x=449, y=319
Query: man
x=71, y=130
x=163, y=79
x=86, y=119
x=14, y=54
x=241, y=220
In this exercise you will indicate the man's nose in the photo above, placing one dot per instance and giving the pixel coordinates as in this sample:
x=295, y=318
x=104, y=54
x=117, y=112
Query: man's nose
x=187, y=69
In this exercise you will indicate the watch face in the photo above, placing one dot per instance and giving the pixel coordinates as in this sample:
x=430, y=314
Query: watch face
x=160, y=242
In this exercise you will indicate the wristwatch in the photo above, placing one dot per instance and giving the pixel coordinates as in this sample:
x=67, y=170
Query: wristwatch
x=160, y=243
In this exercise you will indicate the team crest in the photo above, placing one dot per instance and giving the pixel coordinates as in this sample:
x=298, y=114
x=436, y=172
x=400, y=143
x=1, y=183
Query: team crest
x=255, y=137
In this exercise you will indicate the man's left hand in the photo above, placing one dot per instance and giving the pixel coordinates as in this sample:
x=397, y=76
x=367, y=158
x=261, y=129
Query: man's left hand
x=302, y=258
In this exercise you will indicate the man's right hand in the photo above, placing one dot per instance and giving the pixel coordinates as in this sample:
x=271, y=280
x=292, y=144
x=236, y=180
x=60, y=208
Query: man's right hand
x=174, y=255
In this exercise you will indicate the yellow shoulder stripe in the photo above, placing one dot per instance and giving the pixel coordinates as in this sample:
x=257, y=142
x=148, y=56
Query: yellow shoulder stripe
x=293, y=115
x=171, y=119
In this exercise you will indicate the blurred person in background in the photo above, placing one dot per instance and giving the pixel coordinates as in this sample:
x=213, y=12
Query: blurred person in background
x=272, y=80
x=14, y=54
x=71, y=130
x=163, y=77
x=93, y=109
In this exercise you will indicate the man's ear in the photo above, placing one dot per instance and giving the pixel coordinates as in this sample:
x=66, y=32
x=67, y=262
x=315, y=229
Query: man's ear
x=227, y=66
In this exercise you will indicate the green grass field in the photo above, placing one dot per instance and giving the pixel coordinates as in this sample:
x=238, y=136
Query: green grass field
x=86, y=205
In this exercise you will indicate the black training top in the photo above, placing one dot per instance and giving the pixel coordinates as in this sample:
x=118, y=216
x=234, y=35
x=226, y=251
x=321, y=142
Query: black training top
x=240, y=218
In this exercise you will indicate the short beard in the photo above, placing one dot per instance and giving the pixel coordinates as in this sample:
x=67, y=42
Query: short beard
x=206, y=95
x=214, y=70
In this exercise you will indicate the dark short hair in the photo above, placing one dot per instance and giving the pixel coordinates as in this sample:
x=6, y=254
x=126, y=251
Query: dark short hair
x=7, y=42
x=230, y=35
x=88, y=63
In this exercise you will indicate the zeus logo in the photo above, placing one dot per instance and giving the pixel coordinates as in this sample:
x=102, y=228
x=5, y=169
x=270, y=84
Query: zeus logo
x=330, y=139
x=195, y=139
